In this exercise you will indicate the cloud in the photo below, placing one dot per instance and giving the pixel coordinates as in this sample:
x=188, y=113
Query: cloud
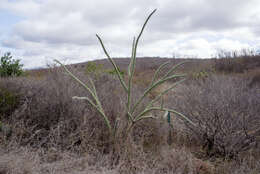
x=66, y=29
x=225, y=44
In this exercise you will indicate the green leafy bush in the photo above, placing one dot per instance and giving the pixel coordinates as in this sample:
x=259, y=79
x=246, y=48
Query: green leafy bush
x=113, y=72
x=94, y=68
x=9, y=66
x=200, y=75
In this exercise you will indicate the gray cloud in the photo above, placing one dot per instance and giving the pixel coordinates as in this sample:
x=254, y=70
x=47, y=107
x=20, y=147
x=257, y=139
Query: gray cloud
x=65, y=28
x=215, y=15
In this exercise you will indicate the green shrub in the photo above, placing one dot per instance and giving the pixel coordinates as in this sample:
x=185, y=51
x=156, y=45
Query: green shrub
x=201, y=75
x=94, y=68
x=9, y=66
x=113, y=72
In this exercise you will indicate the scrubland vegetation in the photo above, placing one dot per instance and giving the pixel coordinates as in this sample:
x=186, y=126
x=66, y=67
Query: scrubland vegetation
x=43, y=129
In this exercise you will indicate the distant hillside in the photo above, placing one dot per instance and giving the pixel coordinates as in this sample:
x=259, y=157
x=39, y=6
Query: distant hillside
x=226, y=65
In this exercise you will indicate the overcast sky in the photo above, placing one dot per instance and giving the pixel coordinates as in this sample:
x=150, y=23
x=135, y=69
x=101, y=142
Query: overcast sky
x=38, y=31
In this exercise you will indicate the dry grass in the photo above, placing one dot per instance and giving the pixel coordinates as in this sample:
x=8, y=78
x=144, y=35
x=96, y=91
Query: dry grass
x=30, y=161
x=26, y=161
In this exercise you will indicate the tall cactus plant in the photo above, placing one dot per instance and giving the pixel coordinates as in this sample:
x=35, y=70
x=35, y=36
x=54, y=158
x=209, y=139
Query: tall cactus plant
x=131, y=109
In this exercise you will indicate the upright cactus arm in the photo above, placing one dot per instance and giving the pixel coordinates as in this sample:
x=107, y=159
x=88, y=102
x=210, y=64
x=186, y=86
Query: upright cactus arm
x=119, y=75
x=131, y=68
x=141, y=32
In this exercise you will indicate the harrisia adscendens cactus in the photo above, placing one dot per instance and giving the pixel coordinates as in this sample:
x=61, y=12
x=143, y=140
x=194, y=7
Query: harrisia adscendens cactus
x=132, y=107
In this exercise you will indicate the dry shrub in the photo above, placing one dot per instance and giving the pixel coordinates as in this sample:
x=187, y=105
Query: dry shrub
x=151, y=135
x=255, y=78
x=230, y=65
x=28, y=161
x=9, y=97
x=236, y=61
x=245, y=165
x=167, y=161
x=48, y=116
x=226, y=112
x=47, y=104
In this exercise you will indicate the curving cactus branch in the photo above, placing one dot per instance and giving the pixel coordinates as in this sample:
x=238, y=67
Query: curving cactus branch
x=131, y=111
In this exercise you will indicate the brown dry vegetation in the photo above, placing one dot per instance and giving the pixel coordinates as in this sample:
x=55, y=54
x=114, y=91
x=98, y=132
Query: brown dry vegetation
x=43, y=130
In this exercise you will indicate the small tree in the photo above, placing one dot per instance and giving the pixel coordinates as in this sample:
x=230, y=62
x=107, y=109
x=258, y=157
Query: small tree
x=9, y=66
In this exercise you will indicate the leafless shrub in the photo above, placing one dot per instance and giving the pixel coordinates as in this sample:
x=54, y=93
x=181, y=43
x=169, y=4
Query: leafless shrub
x=47, y=116
x=226, y=112
x=236, y=61
x=255, y=78
x=229, y=65
x=244, y=165
x=166, y=161
x=9, y=97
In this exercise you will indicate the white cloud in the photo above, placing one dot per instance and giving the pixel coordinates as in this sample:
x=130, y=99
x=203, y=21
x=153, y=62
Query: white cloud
x=66, y=29
x=225, y=44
